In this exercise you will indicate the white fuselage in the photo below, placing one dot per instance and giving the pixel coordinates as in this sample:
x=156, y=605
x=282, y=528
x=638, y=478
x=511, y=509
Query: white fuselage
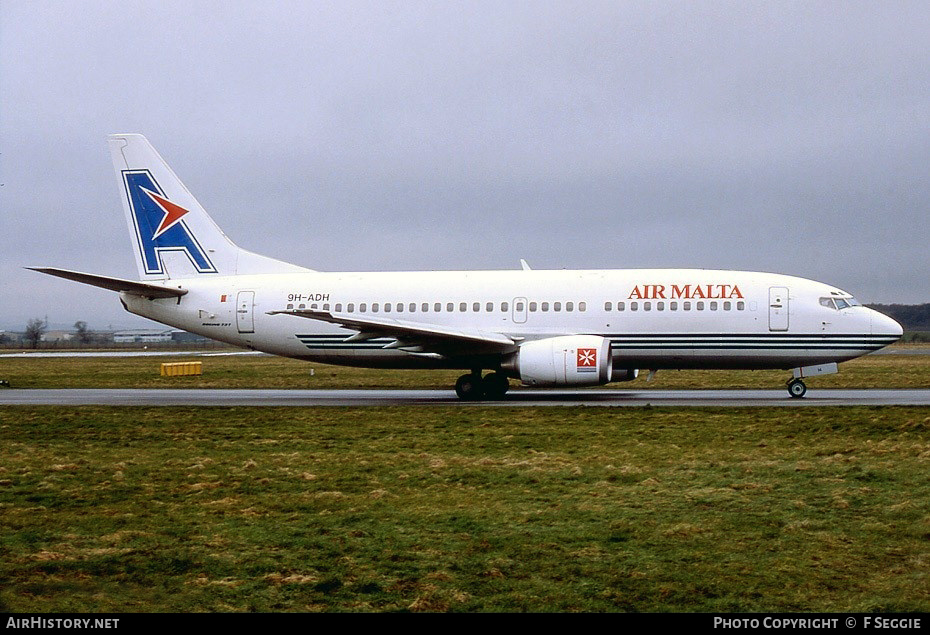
x=654, y=318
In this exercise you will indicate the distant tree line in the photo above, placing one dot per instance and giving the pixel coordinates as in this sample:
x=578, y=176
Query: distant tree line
x=37, y=334
x=912, y=317
x=35, y=329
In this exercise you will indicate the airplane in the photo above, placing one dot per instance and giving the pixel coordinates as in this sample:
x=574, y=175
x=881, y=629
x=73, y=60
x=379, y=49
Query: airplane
x=564, y=328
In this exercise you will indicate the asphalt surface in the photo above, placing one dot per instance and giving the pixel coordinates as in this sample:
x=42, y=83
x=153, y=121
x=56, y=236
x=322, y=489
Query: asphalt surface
x=517, y=397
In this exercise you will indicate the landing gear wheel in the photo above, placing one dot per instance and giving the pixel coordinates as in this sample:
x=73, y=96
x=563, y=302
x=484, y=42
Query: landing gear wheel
x=469, y=387
x=797, y=388
x=495, y=385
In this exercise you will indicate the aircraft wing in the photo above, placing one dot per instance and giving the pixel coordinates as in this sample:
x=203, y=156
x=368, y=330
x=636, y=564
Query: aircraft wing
x=145, y=289
x=413, y=337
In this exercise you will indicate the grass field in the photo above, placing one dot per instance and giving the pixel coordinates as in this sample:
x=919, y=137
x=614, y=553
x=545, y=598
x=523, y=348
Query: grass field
x=454, y=509
x=187, y=509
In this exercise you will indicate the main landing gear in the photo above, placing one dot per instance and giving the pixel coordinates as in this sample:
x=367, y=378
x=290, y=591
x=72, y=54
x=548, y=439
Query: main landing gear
x=473, y=387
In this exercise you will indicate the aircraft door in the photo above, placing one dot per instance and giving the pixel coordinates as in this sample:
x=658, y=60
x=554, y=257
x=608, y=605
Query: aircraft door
x=519, y=310
x=778, y=309
x=245, y=320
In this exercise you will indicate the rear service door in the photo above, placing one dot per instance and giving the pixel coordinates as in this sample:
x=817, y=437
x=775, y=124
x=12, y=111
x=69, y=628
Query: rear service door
x=245, y=302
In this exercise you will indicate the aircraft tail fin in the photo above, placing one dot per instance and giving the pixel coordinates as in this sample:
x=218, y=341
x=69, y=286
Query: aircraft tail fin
x=172, y=233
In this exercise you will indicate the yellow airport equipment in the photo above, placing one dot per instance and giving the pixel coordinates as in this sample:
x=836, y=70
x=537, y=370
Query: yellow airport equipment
x=176, y=369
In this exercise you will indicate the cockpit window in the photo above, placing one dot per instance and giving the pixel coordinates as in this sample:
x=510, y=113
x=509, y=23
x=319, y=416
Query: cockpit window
x=839, y=303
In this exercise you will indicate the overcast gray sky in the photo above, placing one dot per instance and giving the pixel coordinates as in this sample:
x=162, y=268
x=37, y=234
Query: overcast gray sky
x=769, y=136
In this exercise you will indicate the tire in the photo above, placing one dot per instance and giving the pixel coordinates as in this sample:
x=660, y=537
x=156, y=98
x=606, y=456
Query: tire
x=797, y=388
x=469, y=388
x=495, y=385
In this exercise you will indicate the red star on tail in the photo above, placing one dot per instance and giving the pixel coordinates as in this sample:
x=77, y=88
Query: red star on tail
x=173, y=213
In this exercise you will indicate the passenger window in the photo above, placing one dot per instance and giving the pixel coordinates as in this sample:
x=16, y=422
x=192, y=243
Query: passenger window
x=647, y=306
x=672, y=306
x=686, y=306
x=504, y=307
x=314, y=306
x=713, y=306
x=387, y=307
x=463, y=306
x=727, y=305
x=533, y=307
x=326, y=307
x=424, y=307
x=634, y=306
x=290, y=306
x=374, y=307
x=621, y=306
x=412, y=307
x=489, y=307
x=519, y=306
x=570, y=306
x=437, y=307
x=338, y=308
x=556, y=306
x=607, y=306
x=700, y=306
x=582, y=306
x=400, y=307
x=476, y=306
x=740, y=306
x=350, y=308
x=450, y=307
x=302, y=306
x=545, y=306
x=363, y=307
x=660, y=306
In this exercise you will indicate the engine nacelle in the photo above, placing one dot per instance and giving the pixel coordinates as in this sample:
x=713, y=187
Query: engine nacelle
x=567, y=360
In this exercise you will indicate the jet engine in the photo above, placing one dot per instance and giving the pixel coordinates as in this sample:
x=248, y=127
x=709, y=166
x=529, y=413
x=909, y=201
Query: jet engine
x=568, y=360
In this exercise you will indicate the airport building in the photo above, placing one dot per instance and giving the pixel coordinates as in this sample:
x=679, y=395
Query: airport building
x=144, y=336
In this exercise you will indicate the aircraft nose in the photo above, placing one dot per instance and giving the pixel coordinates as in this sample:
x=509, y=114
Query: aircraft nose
x=884, y=325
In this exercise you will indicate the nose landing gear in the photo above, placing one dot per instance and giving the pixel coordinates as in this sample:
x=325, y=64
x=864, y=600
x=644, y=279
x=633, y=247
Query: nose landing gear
x=797, y=388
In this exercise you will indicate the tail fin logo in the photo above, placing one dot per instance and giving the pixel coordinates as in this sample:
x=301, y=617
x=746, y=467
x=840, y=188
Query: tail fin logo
x=159, y=224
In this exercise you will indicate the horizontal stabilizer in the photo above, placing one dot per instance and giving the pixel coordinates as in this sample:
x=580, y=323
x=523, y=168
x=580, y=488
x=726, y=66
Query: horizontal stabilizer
x=144, y=289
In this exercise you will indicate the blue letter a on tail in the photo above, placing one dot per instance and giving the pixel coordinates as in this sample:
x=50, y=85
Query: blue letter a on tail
x=159, y=224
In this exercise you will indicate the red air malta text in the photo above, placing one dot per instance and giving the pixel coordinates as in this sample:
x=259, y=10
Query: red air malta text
x=685, y=292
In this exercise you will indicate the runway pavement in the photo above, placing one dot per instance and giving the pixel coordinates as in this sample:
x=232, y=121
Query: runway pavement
x=517, y=397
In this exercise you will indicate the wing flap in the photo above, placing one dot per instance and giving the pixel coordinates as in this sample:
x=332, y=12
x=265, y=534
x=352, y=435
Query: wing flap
x=418, y=336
